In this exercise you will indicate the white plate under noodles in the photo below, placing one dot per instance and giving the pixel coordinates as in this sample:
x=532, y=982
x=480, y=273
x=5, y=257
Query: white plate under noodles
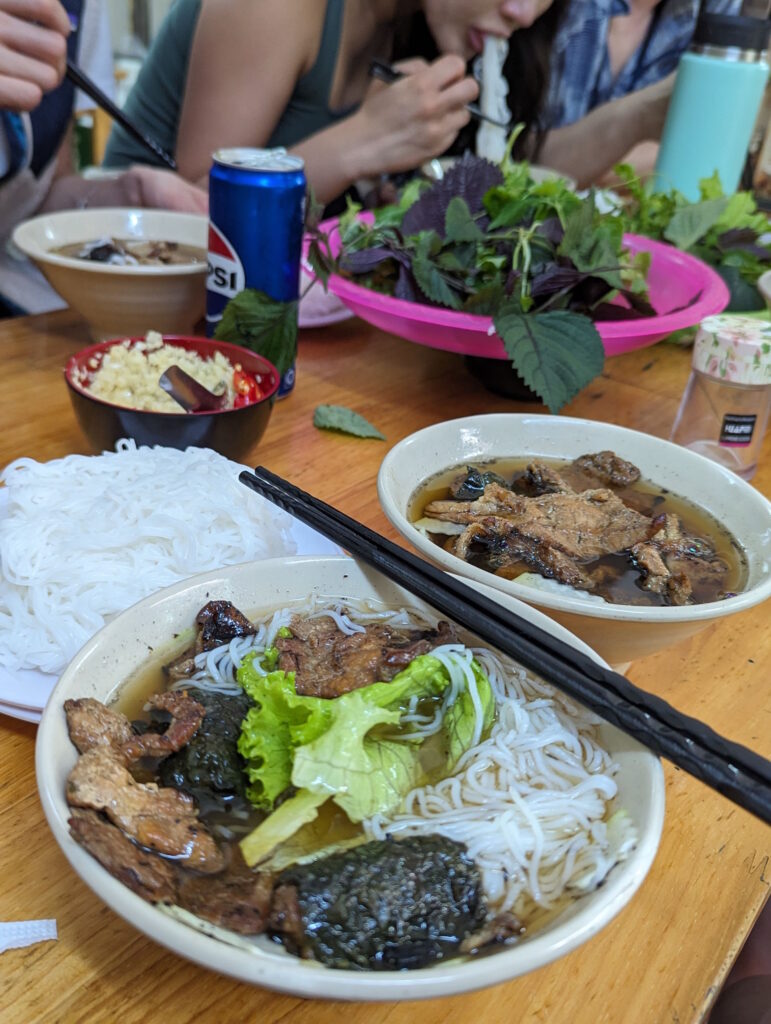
x=120, y=649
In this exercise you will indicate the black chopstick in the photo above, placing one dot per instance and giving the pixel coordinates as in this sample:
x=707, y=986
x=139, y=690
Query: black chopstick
x=83, y=82
x=386, y=73
x=733, y=770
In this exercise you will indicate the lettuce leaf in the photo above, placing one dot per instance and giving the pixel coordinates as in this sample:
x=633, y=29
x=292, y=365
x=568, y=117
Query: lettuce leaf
x=344, y=749
x=363, y=773
x=279, y=722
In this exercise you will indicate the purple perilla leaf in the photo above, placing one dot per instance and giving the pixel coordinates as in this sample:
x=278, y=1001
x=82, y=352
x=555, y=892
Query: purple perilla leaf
x=470, y=177
x=365, y=260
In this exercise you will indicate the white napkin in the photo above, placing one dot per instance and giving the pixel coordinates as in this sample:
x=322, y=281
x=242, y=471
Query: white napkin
x=15, y=934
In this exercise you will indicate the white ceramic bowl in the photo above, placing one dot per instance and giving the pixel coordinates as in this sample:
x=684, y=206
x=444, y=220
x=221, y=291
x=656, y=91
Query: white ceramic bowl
x=121, y=647
x=619, y=633
x=121, y=301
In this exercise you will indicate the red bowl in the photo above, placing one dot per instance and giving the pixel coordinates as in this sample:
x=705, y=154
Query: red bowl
x=232, y=432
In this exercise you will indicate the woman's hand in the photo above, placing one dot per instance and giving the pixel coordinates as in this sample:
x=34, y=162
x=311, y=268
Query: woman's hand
x=33, y=51
x=138, y=186
x=400, y=126
x=164, y=190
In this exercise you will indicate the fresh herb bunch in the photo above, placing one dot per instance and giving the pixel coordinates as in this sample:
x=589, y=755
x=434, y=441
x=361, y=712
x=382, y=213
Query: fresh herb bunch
x=724, y=231
x=490, y=240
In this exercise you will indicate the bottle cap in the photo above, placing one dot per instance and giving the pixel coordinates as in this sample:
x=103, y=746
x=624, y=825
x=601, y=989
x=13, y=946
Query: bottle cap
x=732, y=30
x=734, y=349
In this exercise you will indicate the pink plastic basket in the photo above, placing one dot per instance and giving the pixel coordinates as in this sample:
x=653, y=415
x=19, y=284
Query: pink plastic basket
x=676, y=279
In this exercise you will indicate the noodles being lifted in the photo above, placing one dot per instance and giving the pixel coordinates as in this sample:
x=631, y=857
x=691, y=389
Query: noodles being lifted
x=491, y=140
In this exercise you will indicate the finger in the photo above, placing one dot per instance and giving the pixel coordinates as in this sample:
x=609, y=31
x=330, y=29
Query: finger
x=455, y=97
x=18, y=95
x=48, y=13
x=446, y=70
x=36, y=41
x=27, y=69
x=411, y=66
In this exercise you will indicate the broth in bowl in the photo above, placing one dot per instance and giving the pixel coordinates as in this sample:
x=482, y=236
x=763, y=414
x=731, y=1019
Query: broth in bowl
x=126, y=252
x=592, y=525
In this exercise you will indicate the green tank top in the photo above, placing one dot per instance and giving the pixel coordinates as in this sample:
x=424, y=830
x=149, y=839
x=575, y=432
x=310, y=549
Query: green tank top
x=155, y=102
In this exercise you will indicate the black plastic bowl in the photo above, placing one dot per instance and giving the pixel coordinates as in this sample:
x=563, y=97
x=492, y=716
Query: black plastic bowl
x=232, y=432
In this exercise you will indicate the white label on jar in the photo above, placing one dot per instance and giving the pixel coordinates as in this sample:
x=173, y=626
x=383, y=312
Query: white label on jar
x=737, y=430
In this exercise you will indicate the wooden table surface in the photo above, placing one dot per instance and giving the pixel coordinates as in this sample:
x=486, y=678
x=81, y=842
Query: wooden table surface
x=661, y=961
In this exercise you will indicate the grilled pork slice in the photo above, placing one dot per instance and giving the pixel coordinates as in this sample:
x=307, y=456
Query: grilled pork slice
x=91, y=724
x=151, y=877
x=328, y=662
x=584, y=526
x=163, y=820
x=219, y=622
x=186, y=717
x=238, y=899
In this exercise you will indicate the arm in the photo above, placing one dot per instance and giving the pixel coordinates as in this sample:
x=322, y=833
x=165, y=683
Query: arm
x=589, y=148
x=138, y=186
x=33, y=51
x=239, y=86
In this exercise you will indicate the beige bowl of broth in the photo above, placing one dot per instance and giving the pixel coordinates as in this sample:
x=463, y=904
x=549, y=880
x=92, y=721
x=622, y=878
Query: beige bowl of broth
x=711, y=501
x=115, y=665
x=123, y=300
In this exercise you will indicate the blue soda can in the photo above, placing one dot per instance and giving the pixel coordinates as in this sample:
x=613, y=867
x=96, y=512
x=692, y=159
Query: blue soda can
x=256, y=220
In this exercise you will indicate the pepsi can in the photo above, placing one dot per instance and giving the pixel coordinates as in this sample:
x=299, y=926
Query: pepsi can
x=256, y=220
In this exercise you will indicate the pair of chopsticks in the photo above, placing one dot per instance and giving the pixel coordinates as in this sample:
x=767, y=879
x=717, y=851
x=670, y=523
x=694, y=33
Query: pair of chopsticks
x=386, y=73
x=736, y=772
x=83, y=82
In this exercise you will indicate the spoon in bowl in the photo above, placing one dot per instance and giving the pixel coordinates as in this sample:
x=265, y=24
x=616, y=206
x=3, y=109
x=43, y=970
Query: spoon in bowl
x=187, y=392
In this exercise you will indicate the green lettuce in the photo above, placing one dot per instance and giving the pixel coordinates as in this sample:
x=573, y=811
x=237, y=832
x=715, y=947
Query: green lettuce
x=345, y=749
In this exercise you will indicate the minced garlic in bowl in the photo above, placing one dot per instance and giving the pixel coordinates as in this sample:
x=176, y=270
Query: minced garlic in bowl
x=128, y=374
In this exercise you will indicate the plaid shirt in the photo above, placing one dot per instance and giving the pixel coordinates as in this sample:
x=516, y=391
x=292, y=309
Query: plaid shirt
x=581, y=78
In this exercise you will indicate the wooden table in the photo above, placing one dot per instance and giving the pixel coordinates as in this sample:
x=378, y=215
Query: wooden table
x=661, y=961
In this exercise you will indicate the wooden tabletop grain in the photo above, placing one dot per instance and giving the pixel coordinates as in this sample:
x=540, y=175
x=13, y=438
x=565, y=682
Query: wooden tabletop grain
x=661, y=961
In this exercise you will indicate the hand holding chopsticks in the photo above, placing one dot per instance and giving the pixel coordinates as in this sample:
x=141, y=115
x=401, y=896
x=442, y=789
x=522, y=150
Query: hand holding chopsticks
x=731, y=769
x=387, y=73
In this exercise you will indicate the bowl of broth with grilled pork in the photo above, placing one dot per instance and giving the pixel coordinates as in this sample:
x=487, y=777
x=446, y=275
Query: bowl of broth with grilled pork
x=275, y=770
x=125, y=271
x=630, y=541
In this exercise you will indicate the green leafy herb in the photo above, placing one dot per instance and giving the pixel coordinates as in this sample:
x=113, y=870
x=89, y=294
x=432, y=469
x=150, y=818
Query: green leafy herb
x=556, y=354
x=724, y=231
x=338, y=417
x=260, y=323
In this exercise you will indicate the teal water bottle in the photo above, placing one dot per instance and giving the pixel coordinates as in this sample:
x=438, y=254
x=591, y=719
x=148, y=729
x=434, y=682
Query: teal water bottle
x=717, y=94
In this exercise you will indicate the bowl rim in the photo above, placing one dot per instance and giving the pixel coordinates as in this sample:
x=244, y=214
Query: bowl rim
x=306, y=978
x=712, y=298
x=631, y=613
x=23, y=238
x=227, y=348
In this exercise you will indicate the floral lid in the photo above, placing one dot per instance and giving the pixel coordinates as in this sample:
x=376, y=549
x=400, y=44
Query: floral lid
x=736, y=349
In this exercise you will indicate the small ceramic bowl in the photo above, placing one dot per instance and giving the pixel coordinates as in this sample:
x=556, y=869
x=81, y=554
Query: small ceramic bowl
x=231, y=432
x=120, y=649
x=121, y=301
x=620, y=633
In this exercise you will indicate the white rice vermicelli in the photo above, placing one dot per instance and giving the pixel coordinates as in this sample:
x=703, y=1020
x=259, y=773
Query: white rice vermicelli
x=87, y=536
x=530, y=802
